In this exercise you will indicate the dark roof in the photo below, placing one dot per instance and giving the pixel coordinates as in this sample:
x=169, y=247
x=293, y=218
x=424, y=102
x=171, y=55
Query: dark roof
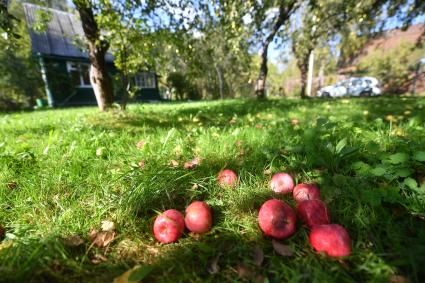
x=60, y=35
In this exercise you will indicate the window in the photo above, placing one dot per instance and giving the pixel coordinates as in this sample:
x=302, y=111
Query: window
x=79, y=73
x=145, y=80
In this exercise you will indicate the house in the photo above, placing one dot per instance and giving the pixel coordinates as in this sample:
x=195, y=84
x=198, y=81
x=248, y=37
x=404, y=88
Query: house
x=65, y=66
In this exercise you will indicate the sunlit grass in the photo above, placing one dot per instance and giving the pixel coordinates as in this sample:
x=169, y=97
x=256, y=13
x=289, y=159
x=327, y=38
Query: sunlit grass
x=73, y=168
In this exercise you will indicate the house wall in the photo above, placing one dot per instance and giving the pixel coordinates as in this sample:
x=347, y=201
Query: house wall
x=64, y=93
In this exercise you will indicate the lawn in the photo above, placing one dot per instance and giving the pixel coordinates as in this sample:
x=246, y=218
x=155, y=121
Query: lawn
x=63, y=172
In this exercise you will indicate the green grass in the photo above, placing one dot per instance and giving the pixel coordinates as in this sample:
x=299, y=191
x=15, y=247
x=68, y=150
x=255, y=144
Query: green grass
x=370, y=167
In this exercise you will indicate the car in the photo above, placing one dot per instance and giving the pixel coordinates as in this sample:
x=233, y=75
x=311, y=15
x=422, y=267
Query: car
x=365, y=86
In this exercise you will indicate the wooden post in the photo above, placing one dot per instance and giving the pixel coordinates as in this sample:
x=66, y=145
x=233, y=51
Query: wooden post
x=43, y=70
x=310, y=73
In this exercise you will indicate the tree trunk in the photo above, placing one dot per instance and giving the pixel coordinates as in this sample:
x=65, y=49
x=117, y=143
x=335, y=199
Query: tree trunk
x=285, y=11
x=220, y=81
x=304, y=72
x=99, y=77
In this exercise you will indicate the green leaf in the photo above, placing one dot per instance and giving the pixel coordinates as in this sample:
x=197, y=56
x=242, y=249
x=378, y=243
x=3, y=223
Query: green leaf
x=403, y=172
x=411, y=183
x=398, y=158
x=140, y=273
x=419, y=156
x=379, y=171
x=372, y=147
x=340, y=145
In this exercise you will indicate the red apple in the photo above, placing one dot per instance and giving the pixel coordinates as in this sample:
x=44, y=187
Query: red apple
x=305, y=192
x=168, y=227
x=2, y=232
x=277, y=219
x=227, y=177
x=282, y=183
x=332, y=239
x=198, y=217
x=313, y=212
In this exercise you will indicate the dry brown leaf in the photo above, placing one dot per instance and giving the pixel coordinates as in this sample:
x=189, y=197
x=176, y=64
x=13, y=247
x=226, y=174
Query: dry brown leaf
x=195, y=186
x=73, y=241
x=174, y=163
x=257, y=255
x=244, y=271
x=108, y=226
x=193, y=163
x=101, y=239
x=12, y=185
x=124, y=278
x=141, y=164
x=98, y=258
x=140, y=144
x=295, y=122
x=282, y=249
x=212, y=265
x=398, y=279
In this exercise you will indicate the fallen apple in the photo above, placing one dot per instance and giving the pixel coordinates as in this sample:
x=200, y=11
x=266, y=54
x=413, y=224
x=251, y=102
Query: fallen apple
x=2, y=232
x=169, y=226
x=305, y=192
x=313, y=212
x=282, y=183
x=227, y=177
x=198, y=217
x=331, y=239
x=277, y=219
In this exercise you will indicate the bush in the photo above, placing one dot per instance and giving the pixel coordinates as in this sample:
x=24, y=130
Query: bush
x=182, y=87
x=394, y=68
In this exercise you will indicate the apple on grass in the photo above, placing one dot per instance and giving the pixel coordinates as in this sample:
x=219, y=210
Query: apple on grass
x=313, y=212
x=277, y=219
x=331, y=239
x=305, y=191
x=198, y=217
x=282, y=183
x=168, y=226
x=227, y=177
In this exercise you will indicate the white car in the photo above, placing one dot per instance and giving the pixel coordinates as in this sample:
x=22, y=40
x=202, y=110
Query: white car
x=366, y=86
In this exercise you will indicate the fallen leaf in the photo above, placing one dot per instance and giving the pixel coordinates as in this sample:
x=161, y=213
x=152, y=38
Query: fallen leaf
x=12, y=185
x=140, y=144
x=141, y=164
x=258, y=255
x=108, y=226
x=123, y=278
x=195, y=186
x=295, y=122
x=212, y=265
x=140, y=273
x=244, y=271
x=101, y=239
x=99, y=152
x=174, y=163
x=193, y=163
x=282, y=249
x=98, y=258
x=73, y=241
x=398, y=279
